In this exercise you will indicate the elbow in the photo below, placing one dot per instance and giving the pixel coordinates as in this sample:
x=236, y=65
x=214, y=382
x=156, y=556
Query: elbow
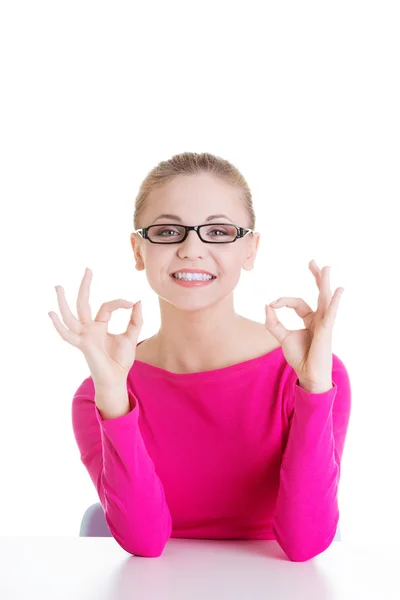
x=301, y=553
x=147, y=546
x=146, y=551
x=301, y=556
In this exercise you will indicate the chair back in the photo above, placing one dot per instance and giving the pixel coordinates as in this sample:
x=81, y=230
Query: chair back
x=94, y=523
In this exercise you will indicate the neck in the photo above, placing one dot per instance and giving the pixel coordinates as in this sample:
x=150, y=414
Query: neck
x=190, y=341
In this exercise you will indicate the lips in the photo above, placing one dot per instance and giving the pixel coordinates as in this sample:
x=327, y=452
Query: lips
x=202, y=273
x=184, y=271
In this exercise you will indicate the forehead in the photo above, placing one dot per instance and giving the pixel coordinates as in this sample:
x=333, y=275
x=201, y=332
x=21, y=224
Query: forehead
x=197, y=196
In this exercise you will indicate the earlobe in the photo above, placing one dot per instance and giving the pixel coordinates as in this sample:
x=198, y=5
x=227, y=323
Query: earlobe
x=139, y=265
x=248, y=264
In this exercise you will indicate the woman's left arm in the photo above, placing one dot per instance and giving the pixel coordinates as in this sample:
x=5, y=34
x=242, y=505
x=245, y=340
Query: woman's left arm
x=307, y=512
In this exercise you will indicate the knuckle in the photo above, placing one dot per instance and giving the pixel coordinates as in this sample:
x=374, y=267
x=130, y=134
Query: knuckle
x=108, y=303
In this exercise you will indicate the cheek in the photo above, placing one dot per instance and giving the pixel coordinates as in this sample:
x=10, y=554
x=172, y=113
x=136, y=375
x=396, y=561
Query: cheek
x=230, y=264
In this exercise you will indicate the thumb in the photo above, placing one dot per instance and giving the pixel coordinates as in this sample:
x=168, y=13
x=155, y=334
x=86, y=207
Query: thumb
x=135, y=322
x=273, y=324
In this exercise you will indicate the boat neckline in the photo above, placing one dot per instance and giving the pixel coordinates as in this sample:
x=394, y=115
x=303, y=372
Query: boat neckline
x=251, y=362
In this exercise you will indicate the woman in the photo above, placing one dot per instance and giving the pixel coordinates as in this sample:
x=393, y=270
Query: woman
x=217, y=426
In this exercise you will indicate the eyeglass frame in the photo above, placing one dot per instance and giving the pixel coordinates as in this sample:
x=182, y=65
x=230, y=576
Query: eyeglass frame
x=241, y=232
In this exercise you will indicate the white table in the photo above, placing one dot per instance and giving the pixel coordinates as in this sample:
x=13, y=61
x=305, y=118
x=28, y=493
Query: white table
x=74, y=568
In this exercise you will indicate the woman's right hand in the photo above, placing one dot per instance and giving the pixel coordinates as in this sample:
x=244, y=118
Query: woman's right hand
x=109, y=356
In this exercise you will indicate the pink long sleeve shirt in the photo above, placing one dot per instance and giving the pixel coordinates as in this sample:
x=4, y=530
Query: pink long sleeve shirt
x=241, y=452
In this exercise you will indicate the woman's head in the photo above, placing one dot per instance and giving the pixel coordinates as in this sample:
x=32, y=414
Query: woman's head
x=194, y=186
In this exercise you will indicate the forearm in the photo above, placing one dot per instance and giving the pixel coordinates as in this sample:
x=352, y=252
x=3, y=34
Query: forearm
x=307, y=505
x=116, y=458
x=131, y=493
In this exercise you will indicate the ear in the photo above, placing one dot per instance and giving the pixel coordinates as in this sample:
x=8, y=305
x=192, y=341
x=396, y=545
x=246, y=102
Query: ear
x=135, y=243
x=251, y=252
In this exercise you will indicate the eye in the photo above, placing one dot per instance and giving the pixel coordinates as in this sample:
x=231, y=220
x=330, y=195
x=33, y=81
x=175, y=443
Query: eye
x=220, y=230
x=161, y=231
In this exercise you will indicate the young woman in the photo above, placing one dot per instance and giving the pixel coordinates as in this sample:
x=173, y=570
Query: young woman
x=217, y=426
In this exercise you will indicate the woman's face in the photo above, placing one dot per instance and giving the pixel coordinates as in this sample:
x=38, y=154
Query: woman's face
x=194, y=198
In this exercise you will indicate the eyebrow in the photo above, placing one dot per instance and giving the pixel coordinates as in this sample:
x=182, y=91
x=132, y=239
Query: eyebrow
x=176, y=218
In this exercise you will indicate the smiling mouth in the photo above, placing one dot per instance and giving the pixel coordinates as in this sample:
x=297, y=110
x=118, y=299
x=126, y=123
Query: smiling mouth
x=208, y=277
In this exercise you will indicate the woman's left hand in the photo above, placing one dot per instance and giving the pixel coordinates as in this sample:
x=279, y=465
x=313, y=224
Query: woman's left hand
x=309, y=351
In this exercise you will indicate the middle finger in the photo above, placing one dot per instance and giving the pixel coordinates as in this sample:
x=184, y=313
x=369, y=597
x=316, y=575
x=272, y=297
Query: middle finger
x=82, y=303
x=316, y=271
x=325, y=294
x=318, y=274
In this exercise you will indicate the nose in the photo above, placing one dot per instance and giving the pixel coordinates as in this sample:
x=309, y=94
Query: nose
x=193, y=245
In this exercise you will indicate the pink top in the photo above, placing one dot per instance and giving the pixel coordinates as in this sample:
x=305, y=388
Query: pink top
x=241, y=452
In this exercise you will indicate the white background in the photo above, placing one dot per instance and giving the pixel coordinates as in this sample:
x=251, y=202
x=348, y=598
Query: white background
x=303, y=97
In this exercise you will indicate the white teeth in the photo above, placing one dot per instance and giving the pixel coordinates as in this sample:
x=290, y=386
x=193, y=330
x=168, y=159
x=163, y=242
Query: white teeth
x=192, y=276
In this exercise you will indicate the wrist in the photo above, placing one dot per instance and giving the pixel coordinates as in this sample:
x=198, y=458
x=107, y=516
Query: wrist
x=112, y=402
x=316, y=388
x=109, y=386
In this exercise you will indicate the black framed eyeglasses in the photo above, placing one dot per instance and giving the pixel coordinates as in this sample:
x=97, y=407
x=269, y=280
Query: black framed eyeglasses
x=214, y=233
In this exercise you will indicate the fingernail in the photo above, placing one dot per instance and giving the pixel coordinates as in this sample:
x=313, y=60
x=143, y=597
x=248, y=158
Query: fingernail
x=274, y=302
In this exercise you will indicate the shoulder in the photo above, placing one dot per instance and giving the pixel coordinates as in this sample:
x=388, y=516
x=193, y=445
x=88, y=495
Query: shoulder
x=145, y=351
x=257, y=340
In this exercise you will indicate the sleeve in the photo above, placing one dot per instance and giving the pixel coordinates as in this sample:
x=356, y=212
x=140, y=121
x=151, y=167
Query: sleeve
x=307, y=513
x=115, y=456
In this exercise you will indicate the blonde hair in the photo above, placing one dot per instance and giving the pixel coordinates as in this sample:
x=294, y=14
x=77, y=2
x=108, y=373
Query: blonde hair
x=191, y=163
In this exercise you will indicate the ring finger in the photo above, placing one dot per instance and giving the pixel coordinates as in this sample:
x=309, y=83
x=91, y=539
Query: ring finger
x=66, y=334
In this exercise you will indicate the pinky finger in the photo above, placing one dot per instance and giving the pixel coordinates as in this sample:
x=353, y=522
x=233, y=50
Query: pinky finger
x=66, y=334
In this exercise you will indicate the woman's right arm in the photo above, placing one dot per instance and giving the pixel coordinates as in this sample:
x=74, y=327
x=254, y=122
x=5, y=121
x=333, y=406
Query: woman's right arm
x=105, y=423
x=114, y=454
